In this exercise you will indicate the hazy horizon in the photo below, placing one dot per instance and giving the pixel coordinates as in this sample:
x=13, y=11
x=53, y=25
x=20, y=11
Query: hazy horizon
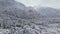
x=48, y=3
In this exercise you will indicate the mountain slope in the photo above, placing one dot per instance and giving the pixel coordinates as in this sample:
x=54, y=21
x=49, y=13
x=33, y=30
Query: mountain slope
x=11, y=4
x=49, y=12
x=14, y=12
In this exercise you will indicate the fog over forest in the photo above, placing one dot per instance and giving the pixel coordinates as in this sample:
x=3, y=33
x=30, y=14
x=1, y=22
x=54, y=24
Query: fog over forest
x=17, y=18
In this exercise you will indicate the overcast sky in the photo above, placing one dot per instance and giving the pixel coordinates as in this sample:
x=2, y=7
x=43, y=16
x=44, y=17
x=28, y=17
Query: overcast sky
x=49, y=3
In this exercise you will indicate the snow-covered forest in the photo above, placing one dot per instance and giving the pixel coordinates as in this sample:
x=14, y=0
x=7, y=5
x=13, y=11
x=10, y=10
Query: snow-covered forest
x=16, y=18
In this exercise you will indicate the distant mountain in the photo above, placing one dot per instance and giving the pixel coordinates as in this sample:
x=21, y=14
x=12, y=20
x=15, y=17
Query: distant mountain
x=15, y=8
x=11, y=7
x=49, y=12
